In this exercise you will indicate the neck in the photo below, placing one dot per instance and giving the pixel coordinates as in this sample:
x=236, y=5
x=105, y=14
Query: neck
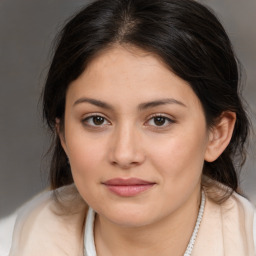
x=168, y=236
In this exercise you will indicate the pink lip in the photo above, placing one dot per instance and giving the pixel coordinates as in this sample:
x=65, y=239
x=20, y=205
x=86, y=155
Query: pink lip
x=128, y=187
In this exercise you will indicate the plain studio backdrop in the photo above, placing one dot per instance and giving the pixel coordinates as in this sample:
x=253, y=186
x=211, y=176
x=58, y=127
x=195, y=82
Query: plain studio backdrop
x=27, y=28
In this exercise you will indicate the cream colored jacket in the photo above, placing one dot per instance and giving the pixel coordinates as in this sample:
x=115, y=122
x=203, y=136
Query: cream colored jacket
x=44, y=227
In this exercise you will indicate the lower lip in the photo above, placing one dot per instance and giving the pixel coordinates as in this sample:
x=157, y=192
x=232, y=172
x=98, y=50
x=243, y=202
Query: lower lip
x=129, y=190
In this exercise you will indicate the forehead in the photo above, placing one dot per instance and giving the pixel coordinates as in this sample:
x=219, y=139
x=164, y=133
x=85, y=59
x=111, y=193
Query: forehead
x=129, y=61
x=122, y=74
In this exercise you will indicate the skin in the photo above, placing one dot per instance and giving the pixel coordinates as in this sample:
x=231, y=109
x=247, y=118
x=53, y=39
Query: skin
x=128, y=141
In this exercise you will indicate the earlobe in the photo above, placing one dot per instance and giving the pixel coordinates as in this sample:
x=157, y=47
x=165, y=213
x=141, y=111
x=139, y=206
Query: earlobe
x=60, y=133
x=220, y=136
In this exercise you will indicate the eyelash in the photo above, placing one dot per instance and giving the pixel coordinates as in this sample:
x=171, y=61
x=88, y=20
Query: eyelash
x=166, y=119
x=86, y=120
x=90, y=117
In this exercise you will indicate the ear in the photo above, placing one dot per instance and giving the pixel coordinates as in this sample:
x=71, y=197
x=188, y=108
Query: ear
x=220, y=136
x=60, y=133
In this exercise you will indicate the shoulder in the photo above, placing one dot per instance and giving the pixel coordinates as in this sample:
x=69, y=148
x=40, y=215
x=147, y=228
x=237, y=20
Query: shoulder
x=227, y=200
x=52, y=224
x=6, y=230
x=247, y=212
x=230, y=224
x=7, y=224
x=238, y=211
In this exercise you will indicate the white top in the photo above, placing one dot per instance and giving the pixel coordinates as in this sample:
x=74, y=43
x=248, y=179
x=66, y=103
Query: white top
x=89, y=245
x=7, y=225
x=6, y=230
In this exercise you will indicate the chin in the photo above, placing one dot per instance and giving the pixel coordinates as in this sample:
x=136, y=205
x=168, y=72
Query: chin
x=129, y=216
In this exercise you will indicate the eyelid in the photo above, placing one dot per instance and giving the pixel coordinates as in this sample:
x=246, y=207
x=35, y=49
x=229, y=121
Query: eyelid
x=166, y=116
x=91, y=114
x=94, y=114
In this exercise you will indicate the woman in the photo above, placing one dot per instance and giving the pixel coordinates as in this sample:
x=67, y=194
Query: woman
x=149, y=129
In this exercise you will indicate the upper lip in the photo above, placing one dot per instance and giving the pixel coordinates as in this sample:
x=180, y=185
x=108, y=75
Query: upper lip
x=127, y=182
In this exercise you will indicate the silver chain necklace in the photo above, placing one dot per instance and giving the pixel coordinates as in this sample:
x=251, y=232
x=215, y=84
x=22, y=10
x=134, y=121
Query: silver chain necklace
x=198, y=222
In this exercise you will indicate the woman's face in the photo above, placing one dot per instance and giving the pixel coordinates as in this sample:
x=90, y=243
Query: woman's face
x=136, y=138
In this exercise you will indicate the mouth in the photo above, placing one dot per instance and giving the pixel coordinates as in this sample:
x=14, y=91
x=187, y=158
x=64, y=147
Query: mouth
x=128, y=187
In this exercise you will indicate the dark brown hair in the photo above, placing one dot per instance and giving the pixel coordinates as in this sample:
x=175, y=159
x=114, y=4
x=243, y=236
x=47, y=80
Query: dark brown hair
x=185, y=35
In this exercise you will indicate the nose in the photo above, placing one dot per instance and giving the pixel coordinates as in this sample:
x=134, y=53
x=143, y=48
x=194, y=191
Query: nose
x=126, y=149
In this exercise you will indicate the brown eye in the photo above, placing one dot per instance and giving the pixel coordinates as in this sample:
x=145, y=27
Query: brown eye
x=95, y=120
x=159, y=120
x=98, y=120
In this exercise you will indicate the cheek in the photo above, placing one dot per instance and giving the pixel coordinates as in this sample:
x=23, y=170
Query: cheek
x=86, y=164
x=180, y=158
x=85, y=156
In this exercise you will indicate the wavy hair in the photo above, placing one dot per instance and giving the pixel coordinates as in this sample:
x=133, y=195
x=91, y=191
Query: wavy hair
x=186, y=35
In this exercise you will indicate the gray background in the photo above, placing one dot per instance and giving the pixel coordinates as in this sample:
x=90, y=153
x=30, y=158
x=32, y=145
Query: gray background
x=27, y=28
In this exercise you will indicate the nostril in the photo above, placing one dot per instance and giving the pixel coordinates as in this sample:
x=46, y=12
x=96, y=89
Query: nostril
x=126, y=165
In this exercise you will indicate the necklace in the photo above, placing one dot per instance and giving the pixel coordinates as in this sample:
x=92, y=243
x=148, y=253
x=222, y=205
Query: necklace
x=198, y=222
x=89, y=246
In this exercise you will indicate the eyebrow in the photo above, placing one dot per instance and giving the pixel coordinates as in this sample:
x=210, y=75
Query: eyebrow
x=142, y=106
x=160, y=102
x=97, y=103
